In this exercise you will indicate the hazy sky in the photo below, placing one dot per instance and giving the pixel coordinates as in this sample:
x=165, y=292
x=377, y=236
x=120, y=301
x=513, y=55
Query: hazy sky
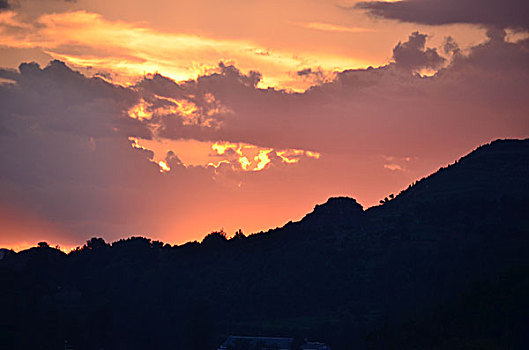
x=171, y=119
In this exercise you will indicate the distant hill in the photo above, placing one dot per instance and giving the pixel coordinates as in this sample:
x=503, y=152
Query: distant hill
x=443, y=265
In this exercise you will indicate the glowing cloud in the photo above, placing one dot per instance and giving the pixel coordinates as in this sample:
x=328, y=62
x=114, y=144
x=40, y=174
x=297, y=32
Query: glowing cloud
x=328, y=27
x=393, y=167
x=243, y=153
x=222, y=147
x=186, y=110
x=311, y=154
x=163, y=166
x=254, y=158
x=292, y=156
x=235, y=156
x=286, y=156
x=263, y=159
x=128, y=50
x=134, y=143
x=140, y=111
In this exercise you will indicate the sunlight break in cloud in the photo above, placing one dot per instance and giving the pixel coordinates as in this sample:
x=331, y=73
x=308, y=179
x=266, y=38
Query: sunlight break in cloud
x=184, y=109
x=236, y=156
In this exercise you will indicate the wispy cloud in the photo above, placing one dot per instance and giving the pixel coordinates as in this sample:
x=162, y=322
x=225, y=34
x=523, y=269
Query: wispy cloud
x=329, y=27
x=129, y=50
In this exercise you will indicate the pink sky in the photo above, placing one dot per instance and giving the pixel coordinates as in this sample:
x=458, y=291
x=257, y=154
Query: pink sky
x=174, y=120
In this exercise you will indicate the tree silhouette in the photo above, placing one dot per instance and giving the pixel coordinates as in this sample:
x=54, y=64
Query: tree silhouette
x=95, y=243
x=215, y=238
x=238, y=235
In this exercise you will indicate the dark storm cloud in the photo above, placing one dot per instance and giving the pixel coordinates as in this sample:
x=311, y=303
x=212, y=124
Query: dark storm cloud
x=500, y=13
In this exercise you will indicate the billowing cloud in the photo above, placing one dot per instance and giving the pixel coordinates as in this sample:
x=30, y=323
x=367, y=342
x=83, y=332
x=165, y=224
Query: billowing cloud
x=85, y=154
x=413, y=54
x=366, y=108
x=498, y=13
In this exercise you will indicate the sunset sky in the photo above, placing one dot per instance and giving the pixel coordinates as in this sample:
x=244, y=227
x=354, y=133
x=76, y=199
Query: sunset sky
x=171, y=119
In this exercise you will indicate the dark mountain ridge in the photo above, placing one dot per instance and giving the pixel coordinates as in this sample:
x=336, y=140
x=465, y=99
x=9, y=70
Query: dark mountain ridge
x=442, y=265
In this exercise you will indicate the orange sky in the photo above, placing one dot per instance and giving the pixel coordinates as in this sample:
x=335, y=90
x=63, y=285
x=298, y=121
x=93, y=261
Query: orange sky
x=184, y=39
x=246, y=150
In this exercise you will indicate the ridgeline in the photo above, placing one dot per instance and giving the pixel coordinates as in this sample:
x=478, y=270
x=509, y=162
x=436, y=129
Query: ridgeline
x=443, y=265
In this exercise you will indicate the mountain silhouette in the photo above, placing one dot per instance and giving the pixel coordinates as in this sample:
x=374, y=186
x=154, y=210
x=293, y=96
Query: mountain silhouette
x=343, y=210
x=443, y=265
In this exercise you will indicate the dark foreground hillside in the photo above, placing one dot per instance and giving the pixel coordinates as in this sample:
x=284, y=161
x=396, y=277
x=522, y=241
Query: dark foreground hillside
x=444, y=265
